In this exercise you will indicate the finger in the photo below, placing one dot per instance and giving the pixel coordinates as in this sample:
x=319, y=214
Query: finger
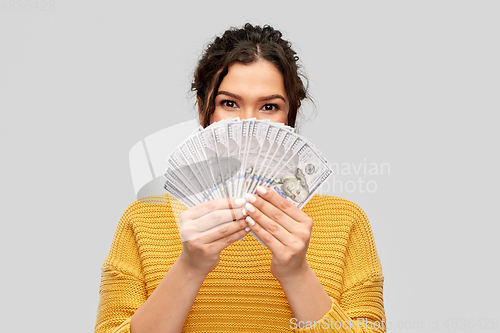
x=217, y=218
x=229, y=229
x=273, y=213
x=212, y=205
x=281, y=203
x=217, y=227
x=269, y=240
x=274, y=228
x=224, y=242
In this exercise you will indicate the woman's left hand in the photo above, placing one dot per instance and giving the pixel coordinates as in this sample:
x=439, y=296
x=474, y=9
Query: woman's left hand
x=284, y=228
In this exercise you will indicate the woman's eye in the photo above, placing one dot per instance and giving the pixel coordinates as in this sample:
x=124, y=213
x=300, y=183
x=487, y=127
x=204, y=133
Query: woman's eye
x=228, y=103
x=270, y=107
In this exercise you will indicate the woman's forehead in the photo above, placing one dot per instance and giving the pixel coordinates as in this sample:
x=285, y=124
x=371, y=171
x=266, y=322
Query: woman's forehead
x=260, y=78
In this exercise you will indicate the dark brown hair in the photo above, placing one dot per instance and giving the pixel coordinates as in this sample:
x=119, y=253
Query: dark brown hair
x=247, y=45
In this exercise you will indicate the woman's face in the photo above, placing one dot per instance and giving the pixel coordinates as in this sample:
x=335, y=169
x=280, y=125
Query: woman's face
x=254, y=90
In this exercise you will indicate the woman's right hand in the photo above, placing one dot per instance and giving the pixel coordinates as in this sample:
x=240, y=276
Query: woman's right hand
x=206, y=229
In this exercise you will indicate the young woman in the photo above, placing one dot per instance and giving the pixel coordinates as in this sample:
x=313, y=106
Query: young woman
x=320, y=271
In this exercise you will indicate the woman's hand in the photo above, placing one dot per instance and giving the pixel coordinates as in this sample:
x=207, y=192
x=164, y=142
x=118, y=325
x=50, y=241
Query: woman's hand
x=285, y=229
x=206, y=229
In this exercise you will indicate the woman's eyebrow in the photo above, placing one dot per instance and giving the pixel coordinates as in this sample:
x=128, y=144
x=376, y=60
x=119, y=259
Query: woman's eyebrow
x=264, y=98
x=267, y=98
x=222, y=92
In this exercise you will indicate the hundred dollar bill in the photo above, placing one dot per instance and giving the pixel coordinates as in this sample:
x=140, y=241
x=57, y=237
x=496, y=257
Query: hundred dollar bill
x=182, y=169
x=246, y=130
x=181, y=196
x=267, y=152
x=175, y=182
x=277, y=151
x=234, y=149
x=207, y=142
x=281, y=155
x=222, y=152
x=231, y=157
x=204, y=167
x=223, y=167
x=256, y=148
x=198, y=166
x=302, y=175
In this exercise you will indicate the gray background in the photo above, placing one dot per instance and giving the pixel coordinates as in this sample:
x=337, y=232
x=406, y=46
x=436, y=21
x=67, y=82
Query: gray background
x=412, y=84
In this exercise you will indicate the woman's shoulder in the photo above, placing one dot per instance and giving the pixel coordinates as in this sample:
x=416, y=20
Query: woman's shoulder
x=145, y=223
x=147, y=203
x=335, y=208
x=152, y=209
x=153, y=202
x=322, y=201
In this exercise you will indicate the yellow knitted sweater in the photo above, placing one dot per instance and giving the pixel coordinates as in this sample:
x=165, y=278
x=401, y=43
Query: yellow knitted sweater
x=241, y=294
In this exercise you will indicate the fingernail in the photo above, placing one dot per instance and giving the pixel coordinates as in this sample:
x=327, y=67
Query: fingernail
x=261, y=190
x=247, y=229
x=250, y=220
x=249, y=207
x=244, y=212
x=250, y=197
x=239, y=202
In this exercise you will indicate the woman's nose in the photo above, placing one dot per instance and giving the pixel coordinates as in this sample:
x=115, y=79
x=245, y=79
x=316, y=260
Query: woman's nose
x=248, y=113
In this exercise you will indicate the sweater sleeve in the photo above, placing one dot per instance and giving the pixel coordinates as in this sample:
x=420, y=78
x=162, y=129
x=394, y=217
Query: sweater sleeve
x=360, y=308
x=122, y=290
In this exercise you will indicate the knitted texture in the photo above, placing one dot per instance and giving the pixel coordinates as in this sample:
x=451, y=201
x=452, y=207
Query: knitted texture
x=241, y=294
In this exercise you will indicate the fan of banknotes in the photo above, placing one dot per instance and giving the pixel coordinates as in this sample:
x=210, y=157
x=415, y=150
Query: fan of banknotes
x=232, y=157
